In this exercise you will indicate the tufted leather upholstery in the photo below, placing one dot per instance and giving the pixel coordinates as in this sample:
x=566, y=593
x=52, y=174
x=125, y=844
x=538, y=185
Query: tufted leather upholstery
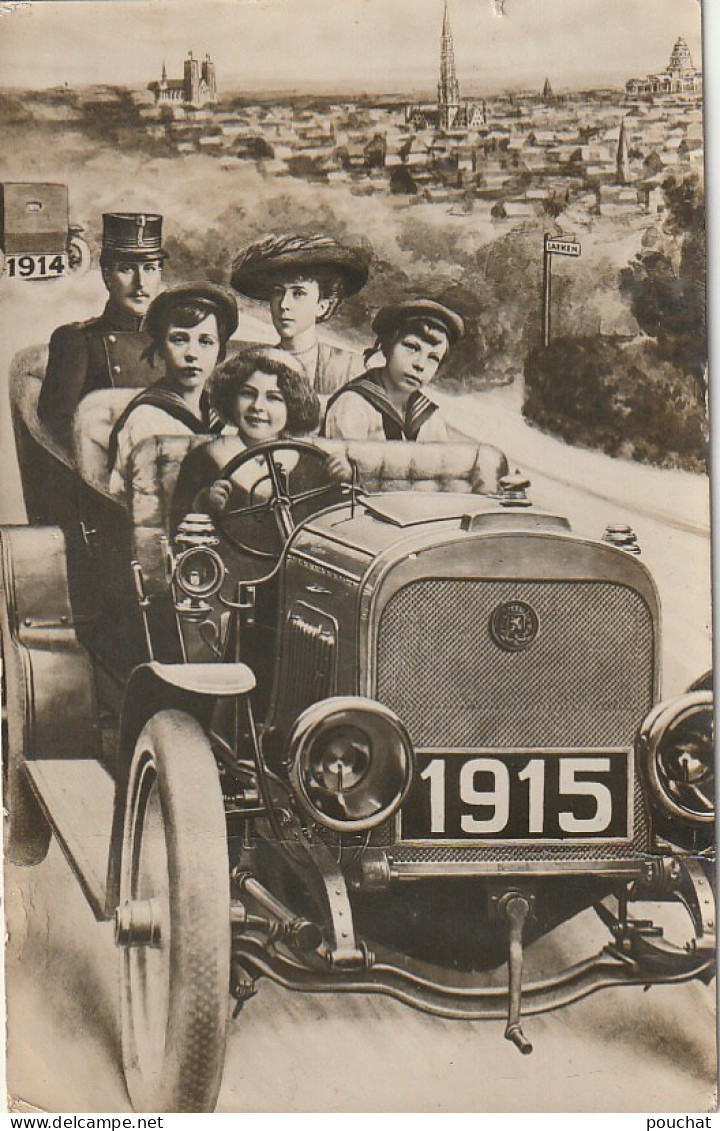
x=152, y=473
x=26, y=377
x=382, y=466
x=394, y=466
x=94, y=419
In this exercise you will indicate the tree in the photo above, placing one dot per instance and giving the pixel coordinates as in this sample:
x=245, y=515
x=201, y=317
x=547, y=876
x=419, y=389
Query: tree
x=375, y=151
x=666, y=282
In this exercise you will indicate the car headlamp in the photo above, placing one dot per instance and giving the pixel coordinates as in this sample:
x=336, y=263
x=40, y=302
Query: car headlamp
x=199, y=572
x=676, y=748
x=351, y=763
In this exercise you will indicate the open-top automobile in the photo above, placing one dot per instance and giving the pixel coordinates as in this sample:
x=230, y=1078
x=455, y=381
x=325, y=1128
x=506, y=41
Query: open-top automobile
x=359, y=739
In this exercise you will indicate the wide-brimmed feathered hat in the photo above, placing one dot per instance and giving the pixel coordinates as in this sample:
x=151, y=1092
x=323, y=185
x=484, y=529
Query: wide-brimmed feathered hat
x=389, y=318
x=257, y=266
x=220, y=302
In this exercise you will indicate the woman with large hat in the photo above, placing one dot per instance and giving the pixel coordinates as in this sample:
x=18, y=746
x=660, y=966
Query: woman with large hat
x=304, y=279
x=188, y=327
x=387, y=402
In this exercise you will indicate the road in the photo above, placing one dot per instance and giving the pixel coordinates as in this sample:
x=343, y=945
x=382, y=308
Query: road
x=622, y=1050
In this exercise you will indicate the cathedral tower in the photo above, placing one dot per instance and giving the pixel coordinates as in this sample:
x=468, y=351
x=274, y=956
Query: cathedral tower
x=680, y=59
x=192, y=81
x=208, y=77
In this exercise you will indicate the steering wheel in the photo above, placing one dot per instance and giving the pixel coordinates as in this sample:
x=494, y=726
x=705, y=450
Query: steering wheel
x=261, y=529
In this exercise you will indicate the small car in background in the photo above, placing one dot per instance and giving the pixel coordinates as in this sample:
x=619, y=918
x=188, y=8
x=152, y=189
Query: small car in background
x=37, y=240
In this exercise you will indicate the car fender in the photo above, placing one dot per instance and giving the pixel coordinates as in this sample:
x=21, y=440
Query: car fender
x=42, y=648
x=152, y=687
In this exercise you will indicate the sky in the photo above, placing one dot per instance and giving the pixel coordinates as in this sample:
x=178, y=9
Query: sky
x=376, y=45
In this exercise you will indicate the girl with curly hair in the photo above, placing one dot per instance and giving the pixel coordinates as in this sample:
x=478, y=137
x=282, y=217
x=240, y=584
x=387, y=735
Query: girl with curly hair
x=265, y=394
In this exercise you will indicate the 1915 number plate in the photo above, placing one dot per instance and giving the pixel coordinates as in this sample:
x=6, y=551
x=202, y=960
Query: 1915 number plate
x=543, y=795
x=52, y=266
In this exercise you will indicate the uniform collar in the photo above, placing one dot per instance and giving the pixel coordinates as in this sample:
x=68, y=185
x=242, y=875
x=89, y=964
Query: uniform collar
x=119, y=319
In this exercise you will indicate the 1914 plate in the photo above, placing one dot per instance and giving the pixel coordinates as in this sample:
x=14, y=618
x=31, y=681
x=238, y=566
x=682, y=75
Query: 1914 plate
x=555, y=796
x=52, y=265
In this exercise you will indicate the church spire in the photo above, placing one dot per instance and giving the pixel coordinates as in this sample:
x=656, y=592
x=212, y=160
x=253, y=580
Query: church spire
x=622, y=162
x=446, y=31
x=448, y=87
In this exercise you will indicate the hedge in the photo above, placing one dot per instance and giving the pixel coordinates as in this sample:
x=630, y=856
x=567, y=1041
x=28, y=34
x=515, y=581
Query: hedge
x=620, y=397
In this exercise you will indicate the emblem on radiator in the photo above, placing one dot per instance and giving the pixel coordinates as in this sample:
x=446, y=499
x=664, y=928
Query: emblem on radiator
x=514, y=626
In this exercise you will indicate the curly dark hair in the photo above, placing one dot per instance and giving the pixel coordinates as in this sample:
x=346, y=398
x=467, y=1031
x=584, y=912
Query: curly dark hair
x=303, y=405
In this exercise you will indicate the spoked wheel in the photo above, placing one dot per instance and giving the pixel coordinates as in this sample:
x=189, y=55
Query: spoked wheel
x=261, y=529
x=174, y=920
x=78, y=255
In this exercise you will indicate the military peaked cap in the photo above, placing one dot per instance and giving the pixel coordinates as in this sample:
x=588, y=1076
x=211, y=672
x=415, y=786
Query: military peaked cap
x=133, y=235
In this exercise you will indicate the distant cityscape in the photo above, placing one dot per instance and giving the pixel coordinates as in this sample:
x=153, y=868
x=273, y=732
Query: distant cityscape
x=512, y=156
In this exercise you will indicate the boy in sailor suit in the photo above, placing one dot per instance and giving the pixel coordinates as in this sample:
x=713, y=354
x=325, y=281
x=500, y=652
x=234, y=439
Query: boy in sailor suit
x=388, y=402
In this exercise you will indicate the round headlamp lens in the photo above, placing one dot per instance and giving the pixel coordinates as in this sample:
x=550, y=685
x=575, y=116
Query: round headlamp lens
x=352, y=763
x=676, y=745
x=199, y=572
x=340, y=760
x=685, y=763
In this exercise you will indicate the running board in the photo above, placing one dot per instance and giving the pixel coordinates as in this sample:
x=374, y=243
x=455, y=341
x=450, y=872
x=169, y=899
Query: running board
x=76, y=796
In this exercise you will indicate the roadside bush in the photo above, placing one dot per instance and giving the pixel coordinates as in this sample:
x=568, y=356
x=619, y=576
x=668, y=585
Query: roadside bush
x=625, y=399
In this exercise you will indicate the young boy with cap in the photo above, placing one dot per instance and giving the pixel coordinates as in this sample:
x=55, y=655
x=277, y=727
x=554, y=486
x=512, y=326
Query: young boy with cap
x=108, y=350
x=387, y=403
x=304, y=279
x=188, y=327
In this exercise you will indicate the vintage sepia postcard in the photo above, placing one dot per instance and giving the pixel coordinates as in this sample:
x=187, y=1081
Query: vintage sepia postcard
x=355, y=555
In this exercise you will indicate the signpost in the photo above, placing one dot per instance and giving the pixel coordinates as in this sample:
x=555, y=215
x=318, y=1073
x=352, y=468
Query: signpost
x=554, y=246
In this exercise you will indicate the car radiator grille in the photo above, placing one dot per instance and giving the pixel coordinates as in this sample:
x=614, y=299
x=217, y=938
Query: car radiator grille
x=586, y=681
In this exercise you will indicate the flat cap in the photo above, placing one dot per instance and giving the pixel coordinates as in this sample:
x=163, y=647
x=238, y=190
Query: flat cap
x=219, y=302
x=390, y=317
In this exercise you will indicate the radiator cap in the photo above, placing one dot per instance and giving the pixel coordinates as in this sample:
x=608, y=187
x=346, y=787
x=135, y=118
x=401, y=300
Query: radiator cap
x=513, y=490
x=623, y=536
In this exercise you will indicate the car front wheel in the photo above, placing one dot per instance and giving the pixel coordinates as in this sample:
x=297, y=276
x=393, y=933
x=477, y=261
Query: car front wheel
x=173, y=923
x=27, y=833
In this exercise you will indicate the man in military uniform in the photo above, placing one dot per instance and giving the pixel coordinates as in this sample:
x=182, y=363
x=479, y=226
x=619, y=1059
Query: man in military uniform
x=109, y=350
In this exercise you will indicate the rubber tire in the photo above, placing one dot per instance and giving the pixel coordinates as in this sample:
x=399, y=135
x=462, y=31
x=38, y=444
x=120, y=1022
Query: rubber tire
x=174, y=774
x=27, y=832
x=78, y=248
